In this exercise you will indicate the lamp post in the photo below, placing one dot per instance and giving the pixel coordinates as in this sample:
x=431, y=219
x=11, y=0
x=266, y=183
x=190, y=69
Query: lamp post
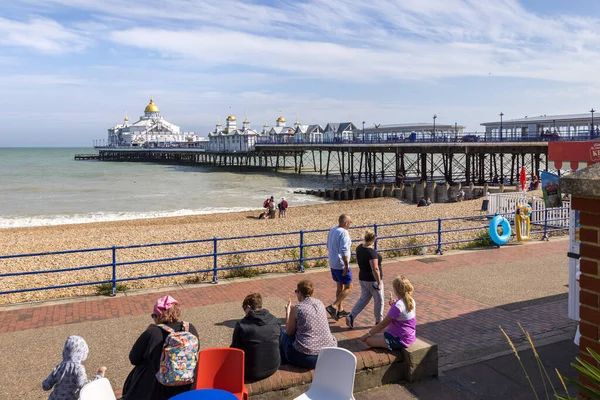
x=501, y=115
x=456, y=131
x=363, y=133
x=592, y=130
x=434, y=117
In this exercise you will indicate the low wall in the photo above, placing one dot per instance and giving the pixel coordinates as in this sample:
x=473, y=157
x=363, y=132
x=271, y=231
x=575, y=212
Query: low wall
x=374, y=368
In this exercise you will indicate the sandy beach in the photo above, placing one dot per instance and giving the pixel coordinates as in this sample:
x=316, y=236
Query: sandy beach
x=144, y=231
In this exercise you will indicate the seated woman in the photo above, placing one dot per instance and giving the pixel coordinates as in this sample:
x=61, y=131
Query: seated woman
x=258, y=334
x=306, y=329
x=400, y=321
x=141, y=383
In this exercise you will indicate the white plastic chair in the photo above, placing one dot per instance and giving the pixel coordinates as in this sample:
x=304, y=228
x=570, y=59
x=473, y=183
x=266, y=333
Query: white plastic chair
x=334, y=376
x=99, y=389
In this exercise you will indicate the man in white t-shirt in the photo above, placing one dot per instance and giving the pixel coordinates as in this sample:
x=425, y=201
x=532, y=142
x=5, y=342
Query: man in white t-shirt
x=339, y=247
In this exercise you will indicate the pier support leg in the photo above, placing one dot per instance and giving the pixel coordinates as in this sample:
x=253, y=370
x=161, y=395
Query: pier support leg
x=423, y=167
x=468, y=168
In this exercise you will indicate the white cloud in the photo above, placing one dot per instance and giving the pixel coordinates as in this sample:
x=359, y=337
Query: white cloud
x=41, y=34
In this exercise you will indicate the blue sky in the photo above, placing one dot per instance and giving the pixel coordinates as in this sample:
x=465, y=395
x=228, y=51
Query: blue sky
x=69, y=69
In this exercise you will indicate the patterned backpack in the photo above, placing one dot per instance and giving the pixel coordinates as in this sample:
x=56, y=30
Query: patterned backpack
x=179, y=358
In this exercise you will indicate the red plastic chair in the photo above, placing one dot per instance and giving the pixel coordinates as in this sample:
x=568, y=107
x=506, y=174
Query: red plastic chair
x=222, y=368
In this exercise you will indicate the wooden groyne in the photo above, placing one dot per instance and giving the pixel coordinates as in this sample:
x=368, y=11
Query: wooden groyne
x=412, y=193
x=86, y=157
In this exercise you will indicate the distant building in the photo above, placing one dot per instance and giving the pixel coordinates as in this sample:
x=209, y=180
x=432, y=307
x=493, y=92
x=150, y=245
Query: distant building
x=152, y=130
x=565, y=126
x=415, y=131
x=339, y=131
x=308, y=133
x=281, y=133
x=232, y=138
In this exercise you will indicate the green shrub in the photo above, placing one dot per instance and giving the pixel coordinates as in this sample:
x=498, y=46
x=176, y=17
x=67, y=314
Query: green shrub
x=413, y=241
x=242, y=273
x=105, y=289
x=321, y=263
x=235, y=260
x=198, y=278
x=392, y=244
x=482, y=239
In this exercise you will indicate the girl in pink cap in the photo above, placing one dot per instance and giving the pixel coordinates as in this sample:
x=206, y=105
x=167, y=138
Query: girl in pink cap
x=146, y=353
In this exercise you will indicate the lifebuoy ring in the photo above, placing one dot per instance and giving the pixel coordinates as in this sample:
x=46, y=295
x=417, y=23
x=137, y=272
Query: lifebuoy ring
x=499, y=220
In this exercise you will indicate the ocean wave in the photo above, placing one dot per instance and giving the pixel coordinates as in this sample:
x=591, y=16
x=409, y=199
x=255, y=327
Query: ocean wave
x=52, y=220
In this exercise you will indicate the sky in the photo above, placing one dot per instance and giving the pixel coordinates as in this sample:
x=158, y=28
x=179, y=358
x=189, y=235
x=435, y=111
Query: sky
x=70, y=69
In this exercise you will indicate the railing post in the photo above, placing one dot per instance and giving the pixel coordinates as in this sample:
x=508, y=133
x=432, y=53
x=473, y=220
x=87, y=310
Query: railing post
x=545, y=237
x=376, y=240
x=215, y=257
x=114, y=271
x=439, y=238
x=301, y=266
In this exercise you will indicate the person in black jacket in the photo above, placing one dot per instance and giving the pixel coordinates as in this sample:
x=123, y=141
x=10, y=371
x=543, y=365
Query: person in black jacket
x=258, y=335
x=141, y=383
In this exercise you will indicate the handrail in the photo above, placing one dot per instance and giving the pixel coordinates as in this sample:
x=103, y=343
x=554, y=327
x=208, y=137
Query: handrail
x=546, y=226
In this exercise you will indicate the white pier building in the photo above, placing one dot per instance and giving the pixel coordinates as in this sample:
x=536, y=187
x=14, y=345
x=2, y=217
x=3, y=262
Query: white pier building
x=232, y=138
x=152, y=130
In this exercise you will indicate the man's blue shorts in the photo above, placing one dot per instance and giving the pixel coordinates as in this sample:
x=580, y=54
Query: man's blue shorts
x=337, y=276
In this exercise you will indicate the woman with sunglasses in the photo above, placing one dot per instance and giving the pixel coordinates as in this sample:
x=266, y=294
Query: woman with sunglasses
x=306, y=329
x=147, y=350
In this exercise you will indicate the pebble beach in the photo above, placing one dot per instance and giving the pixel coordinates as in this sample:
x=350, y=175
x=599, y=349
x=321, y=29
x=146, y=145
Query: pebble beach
x=145, y=231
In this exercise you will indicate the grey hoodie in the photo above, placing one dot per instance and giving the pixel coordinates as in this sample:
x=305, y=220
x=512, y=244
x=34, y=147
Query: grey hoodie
x=69, y=376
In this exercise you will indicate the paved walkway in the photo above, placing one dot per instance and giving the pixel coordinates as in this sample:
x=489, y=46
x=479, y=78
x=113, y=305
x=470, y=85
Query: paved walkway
x=461, y=299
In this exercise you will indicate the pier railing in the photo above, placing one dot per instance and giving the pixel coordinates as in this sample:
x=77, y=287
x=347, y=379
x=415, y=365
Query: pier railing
x=438, y=138
x=296, y=250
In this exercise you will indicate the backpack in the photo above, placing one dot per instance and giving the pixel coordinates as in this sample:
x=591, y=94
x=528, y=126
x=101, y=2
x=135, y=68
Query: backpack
x=266, y=203
x=179, y=358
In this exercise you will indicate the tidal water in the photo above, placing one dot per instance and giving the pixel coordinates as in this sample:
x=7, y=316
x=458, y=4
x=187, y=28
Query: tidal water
x=46, y=186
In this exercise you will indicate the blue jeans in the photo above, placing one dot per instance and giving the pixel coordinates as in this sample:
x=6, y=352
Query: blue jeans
x=289, y=354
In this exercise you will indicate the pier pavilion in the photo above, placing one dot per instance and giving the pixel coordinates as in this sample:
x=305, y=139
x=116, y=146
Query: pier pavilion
x=151, y=130
x=544, y=126
x=419, y=132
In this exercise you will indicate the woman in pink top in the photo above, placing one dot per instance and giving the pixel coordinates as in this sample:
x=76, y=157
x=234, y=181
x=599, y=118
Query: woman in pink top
x=400, y=321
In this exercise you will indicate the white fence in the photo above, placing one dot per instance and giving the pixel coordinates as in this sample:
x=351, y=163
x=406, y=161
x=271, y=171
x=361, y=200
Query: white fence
x=506, y=203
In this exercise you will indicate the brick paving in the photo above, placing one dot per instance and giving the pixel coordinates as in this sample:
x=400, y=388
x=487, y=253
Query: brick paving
x=461, y=326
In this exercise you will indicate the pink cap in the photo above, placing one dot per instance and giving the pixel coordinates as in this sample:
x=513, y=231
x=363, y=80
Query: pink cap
x=164, y=303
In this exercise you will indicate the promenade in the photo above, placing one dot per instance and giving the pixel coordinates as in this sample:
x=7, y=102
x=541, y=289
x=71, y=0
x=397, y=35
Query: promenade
x=462, y=297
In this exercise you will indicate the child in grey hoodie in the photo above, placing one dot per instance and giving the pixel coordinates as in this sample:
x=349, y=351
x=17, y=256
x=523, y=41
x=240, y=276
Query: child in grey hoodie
x=69, y=376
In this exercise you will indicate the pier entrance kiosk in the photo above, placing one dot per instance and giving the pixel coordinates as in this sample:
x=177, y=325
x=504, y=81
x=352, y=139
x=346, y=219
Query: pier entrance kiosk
x=573, y=156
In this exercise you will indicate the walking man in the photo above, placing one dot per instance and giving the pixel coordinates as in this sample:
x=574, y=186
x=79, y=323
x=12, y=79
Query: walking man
x=339, y=249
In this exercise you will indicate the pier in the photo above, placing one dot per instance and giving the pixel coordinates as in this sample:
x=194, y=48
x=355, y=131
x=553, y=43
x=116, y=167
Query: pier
x=467, y=162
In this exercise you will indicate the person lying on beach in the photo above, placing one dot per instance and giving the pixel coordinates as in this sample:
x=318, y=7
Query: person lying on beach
x=422, y=202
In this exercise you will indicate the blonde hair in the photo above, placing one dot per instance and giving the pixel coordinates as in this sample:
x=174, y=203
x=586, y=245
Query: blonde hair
x=404, y=289
x=370, y=236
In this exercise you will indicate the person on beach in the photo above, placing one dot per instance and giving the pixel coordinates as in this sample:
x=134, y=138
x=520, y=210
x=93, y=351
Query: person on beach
x=306, y=329
x=400, y=322
x=258, y=335
x=282, y=206
x=422, y=202
x=339, y=247
x=69, y=376
x=370, y=277
x=428, y=201
x=145, y=355
x=272, y=208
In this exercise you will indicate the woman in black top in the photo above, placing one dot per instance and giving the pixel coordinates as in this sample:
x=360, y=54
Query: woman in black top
x=145, y=355
x=370, y=278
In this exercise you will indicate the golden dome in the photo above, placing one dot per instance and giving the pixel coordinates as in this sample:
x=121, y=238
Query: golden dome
x=218, y=124
x=126, y=119
x=265, y=125
x=231, y=118
x=151, y=107
x=281, y=119
x=246, y=121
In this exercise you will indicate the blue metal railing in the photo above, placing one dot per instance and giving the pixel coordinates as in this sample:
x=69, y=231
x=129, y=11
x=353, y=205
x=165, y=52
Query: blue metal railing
x=548, y=226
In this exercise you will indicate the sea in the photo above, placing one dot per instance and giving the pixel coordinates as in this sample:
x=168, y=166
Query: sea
x=46, y=186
